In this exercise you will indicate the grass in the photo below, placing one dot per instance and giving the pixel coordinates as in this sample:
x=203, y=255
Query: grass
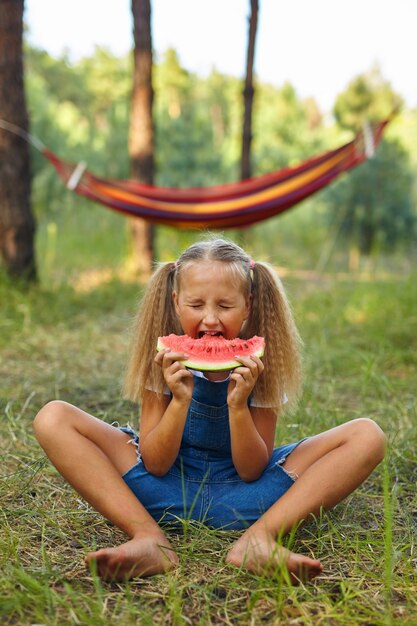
x=68, y=341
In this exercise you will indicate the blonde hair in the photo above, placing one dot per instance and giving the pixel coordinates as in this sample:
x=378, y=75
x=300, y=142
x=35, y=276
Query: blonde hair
x=270, y=317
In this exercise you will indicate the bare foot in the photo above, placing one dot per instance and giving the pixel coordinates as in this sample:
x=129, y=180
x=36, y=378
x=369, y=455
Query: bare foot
x=262, y=555
x=140, y=556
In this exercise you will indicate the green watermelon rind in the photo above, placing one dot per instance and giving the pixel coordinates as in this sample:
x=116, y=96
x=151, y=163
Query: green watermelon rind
x=196, y=363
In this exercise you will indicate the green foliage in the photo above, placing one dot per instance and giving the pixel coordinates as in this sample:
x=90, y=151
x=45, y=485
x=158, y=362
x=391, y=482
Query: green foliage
x=367, y=98
x=375, y=201
x=192, y=119
x=286, y=129
x=80, y=238
x=404, y=129
x=81, y=111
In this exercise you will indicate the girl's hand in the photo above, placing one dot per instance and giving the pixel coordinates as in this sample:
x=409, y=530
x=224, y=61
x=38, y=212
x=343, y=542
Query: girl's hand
x=243, y=380
x=178, y=379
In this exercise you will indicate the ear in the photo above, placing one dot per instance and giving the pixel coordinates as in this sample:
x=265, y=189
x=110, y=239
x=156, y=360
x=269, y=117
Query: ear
x=176, y=305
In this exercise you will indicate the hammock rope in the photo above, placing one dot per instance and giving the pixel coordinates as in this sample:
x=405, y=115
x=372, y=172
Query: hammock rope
x=223, y=206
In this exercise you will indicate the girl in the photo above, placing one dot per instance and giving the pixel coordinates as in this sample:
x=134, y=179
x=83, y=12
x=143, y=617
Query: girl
x=205, y=447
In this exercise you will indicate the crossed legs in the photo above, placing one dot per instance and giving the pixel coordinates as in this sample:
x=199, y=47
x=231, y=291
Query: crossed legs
x=92, y=456
x=328, y=467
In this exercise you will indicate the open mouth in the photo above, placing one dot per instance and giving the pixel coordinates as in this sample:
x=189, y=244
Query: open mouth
x=209, y=333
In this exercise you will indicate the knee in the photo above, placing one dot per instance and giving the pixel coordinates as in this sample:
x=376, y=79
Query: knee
x=49, y=417
x=371, y=437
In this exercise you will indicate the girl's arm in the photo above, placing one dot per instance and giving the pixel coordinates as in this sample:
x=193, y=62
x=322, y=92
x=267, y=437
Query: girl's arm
x=161, y=427
x=252, y=429
x=163, y=419
x=252, y=432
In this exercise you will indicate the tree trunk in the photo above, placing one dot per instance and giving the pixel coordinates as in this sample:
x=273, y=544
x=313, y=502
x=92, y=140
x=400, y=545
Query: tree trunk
x=248, y=92
x=141, y=134
x=17, y=224
x=354, y=259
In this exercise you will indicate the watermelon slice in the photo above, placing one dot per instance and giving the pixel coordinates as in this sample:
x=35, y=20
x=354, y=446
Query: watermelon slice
x=212, y=353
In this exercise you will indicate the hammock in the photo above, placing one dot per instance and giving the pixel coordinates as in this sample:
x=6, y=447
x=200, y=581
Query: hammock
x=223, y=206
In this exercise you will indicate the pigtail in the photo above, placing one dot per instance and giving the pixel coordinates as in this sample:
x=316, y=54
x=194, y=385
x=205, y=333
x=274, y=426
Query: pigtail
x=271, y=318
x=156, y=317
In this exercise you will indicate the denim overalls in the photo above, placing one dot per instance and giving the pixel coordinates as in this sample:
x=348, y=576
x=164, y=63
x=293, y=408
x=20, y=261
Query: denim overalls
x=203, y=484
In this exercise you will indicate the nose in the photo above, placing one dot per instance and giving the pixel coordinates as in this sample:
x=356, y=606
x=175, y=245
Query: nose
x=210, y=317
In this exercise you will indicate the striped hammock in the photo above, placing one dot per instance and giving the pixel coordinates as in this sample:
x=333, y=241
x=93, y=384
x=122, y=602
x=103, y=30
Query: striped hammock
x=223, y=206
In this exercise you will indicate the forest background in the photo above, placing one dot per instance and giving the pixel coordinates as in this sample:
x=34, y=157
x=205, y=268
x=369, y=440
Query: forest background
x=81, y=111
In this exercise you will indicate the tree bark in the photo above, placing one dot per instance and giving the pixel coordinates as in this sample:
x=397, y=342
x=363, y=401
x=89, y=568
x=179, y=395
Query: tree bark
x=248, y=93
x=17, y=224
x=141, y=134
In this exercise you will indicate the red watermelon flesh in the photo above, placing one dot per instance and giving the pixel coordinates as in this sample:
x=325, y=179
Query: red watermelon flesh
x=212, y=353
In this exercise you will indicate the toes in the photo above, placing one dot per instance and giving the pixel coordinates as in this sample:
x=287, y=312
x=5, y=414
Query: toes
x=103, y=564
x=304, y=571
x=233, y=559
x=123, y=563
